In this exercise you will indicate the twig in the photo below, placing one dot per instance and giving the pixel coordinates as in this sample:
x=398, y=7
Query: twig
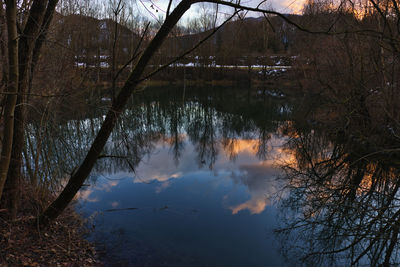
x=135, y=53
x=30, y=94
x=169, y=7
x=188, y=51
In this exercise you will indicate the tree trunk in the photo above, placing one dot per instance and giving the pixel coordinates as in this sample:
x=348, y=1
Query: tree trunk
x=3, y=49
x=78, y=178
x=11, y=89
x=48, y=17
x=25, y=48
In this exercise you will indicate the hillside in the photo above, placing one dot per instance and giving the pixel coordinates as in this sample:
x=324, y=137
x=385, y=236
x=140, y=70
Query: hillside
x=242, y=42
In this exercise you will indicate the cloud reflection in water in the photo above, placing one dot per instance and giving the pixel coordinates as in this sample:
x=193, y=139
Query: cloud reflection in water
x=245, y=169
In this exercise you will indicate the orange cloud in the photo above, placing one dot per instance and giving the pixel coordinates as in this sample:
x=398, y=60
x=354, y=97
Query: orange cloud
x=254, y=205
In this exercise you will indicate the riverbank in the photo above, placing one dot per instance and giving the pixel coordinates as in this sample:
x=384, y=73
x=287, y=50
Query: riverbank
x=196, y=75
x=62, y=243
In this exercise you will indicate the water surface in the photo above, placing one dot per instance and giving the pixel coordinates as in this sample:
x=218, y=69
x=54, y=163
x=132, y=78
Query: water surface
x=204, y=188
x=233, y=177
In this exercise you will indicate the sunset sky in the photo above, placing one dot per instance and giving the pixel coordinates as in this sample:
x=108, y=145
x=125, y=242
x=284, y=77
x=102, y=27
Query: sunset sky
x=155, y=8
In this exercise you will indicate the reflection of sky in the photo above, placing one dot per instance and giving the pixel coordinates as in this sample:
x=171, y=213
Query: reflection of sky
x=261, y=185
x=205, y=215
x=246, y=170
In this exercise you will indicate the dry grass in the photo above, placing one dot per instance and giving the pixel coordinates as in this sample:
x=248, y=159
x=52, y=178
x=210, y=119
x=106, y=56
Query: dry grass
x=23, y=243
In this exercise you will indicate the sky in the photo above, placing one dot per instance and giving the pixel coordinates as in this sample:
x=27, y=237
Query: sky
x=153, y=8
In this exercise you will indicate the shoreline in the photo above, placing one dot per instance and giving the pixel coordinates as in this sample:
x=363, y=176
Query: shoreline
x=62, y=243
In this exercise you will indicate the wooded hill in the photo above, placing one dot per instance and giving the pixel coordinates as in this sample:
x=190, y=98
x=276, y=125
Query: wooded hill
x=93, y=42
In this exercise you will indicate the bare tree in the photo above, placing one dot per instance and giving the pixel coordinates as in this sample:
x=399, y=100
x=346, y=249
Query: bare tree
x=12, y=88
x=33, y=32
x=3, y=48
x=342, y=201
x=116, y=8
x=78, y=177
x=35, y=24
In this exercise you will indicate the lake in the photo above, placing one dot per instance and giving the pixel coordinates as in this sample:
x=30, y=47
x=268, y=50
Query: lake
x=203, y=190
x=232, y=177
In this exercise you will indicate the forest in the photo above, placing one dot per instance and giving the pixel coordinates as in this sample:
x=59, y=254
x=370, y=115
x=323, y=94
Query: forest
x=79, y=77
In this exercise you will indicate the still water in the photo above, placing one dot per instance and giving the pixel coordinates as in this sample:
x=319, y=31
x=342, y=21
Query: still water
x=203, y=191
x=168, y=214
x=232, y=177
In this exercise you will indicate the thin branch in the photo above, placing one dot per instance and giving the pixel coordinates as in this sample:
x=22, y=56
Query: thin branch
x=111, y=156
x=188, y=51
x=31, y=94
x=135, y=53
x=169, y=7
x=290, y=21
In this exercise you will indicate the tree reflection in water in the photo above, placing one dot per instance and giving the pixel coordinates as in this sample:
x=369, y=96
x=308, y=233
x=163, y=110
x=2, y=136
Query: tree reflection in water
x=343, y=203
x=207, y=118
